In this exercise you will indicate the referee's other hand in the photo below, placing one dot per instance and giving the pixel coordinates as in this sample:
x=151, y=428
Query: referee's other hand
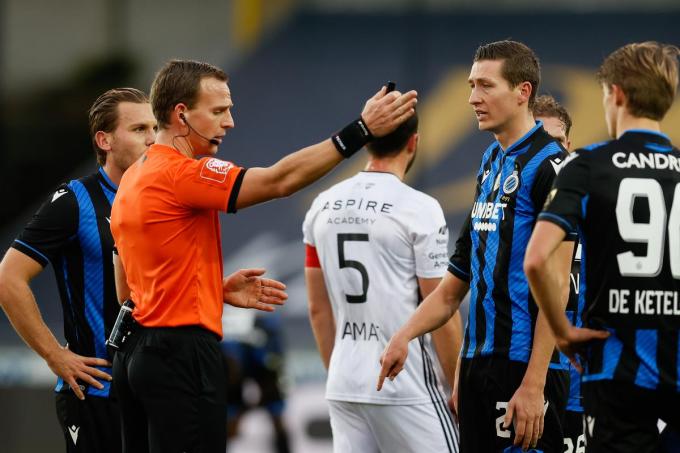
x=246, y=289
x=393, y=359
x=384, y=112
x=70, y=366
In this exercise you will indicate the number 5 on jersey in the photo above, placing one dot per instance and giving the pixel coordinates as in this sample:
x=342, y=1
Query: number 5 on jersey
x=342, y=238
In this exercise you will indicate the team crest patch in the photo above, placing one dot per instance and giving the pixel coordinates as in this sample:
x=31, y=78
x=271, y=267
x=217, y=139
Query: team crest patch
x=511, y=183
x=215, y=169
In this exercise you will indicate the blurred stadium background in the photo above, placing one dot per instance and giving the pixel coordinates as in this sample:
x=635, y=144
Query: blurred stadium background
x=299, y=70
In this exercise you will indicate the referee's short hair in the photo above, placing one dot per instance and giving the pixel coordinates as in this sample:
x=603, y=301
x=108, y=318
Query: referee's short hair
x=520, y=63
x=178, y=82
x=103, y=115
x=647, y=73
x=396, y=140
x=548, y=107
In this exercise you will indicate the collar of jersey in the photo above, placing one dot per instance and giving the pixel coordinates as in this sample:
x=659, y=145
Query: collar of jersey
x=107, y=180
x=164, y=149
x=515, y=147
x=658, y=136
x=374, y=172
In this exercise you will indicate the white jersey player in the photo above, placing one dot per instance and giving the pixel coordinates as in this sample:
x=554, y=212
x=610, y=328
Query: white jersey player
x=375, y=248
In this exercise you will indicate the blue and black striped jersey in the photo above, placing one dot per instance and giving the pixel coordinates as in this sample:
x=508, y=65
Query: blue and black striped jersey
x=512, y=186
x=575, y=307
x=623, y=196
x=71, y=231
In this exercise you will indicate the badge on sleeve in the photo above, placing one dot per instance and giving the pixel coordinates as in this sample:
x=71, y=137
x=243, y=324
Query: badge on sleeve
x=215, y=170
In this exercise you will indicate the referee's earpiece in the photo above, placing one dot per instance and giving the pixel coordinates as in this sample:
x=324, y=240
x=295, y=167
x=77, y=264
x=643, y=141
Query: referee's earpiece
x=181, y=116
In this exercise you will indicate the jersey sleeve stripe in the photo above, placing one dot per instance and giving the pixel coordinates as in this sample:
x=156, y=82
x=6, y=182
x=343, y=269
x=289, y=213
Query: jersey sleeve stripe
x=311, y=257
x=32, y=252
x=557, y=220
x=458, y=272
x=231, y=205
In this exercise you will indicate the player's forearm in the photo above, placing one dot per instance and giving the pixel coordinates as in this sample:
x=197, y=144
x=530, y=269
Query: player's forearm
x=437, y=308
x=323, y=326
x=549, y=282
x=541, y=353
x=303, y=167
x=22, y=311
x=447, y=343
x=432, y=313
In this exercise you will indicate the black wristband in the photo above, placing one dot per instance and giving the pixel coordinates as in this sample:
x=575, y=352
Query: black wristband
x=352, y=138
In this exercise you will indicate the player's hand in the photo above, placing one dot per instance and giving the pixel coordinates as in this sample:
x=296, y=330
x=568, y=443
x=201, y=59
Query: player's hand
x=246, y=289
x=527, y=410
x=70, y=366
x=392, y=359
x=384, y=112
x=574, y=341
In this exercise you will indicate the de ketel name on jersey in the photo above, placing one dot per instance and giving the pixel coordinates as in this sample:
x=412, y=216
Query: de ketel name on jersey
x=358, y=206
x=644, y=302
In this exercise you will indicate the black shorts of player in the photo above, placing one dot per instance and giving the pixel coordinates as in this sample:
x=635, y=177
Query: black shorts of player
x=485, y=386
x=670, y=441
x=89, y=426
x=170, y=383
x=574, y=434
x=622, y=417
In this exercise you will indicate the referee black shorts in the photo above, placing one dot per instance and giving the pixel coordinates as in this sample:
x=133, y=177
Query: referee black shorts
x=89, y=426
x=171, y=389
x=485, y=387
x=622, y=417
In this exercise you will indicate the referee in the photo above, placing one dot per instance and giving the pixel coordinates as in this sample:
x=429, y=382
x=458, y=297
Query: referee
x=166, y=228
x=71, y=231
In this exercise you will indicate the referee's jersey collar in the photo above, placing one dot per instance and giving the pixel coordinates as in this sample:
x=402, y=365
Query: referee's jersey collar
x=104, y=178
x=519, y=144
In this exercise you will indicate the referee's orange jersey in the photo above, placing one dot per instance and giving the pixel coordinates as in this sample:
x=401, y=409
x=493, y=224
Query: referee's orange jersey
x=166, y=229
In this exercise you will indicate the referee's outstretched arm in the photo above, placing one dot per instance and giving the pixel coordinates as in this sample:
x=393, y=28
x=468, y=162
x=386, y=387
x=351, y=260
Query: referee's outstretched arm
x=381, y=115
x=18, y=302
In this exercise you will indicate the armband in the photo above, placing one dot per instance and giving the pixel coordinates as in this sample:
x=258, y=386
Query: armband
x=352, y=138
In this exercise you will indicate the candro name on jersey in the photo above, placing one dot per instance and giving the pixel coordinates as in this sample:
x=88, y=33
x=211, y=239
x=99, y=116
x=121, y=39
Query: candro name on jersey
x=654, y=161
x=644, y=302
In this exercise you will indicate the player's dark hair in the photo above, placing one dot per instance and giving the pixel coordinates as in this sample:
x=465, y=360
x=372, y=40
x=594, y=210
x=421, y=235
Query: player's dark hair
x=548, y=107
x=520, y=63
x=647, y=73
x=103, y=115
x=178, y=82
x=396, y=140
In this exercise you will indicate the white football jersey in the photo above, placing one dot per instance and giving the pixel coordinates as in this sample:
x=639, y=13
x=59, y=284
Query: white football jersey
x=374, y=236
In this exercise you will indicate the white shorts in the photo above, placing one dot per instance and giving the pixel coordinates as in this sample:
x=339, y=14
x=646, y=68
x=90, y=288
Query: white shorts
x=369, y=428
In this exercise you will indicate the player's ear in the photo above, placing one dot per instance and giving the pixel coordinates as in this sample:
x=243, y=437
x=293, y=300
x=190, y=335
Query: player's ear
x=103, y=140
x=412, y=144
x=619, y=95
x=524, y=90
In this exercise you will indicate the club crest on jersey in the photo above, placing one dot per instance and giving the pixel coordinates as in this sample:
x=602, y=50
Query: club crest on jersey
x=511, y=183
x=215, y=169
